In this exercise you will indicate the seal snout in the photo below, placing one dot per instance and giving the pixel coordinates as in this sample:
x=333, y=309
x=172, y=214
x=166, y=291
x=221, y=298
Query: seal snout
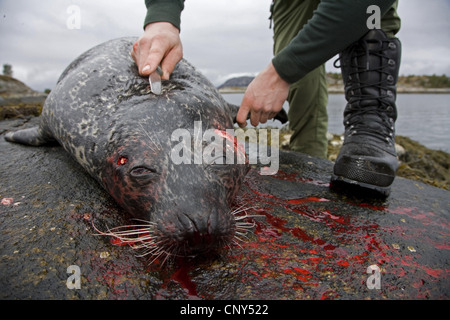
x=192, y=234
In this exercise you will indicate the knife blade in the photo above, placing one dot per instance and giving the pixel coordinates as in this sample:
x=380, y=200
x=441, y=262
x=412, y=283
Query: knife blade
x=155, y=81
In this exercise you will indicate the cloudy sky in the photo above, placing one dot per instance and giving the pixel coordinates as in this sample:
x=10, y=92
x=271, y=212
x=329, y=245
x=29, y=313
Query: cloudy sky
x=222, y=38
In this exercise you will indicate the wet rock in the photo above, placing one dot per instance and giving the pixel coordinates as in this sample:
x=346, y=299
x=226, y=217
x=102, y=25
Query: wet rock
x=309, y=242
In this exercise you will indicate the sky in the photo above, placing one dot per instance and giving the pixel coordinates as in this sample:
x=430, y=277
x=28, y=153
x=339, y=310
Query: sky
x=222, y=38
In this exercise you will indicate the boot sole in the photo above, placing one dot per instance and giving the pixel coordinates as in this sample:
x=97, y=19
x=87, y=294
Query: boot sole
x=355, y=187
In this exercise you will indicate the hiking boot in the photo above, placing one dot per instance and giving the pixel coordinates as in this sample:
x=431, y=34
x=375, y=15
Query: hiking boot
x=370, y=71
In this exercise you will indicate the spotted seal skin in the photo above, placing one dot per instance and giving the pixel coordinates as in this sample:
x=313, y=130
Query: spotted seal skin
x=103, y=113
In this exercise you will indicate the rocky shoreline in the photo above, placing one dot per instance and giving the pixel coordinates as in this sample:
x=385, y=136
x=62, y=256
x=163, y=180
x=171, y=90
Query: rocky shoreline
x=17, y=99
x=417, y=162
x=406, y=84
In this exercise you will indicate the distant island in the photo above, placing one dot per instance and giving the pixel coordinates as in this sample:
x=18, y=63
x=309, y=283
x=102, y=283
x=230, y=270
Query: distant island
x=406, y=84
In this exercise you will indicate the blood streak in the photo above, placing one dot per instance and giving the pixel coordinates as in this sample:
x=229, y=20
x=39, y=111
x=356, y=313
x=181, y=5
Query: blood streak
x=122, y=161
x=308, y=199
x=182, y=277
x=237, y=146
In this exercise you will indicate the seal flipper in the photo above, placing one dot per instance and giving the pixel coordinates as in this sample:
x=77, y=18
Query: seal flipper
x=281, y=116
x=32, y=136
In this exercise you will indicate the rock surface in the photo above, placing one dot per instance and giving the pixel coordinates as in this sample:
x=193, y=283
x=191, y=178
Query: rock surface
x=309, y=242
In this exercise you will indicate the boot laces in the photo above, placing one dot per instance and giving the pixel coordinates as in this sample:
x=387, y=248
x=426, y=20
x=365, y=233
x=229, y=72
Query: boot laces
x=382, y=124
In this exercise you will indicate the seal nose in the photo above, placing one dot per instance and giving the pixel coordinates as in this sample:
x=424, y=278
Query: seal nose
x=203, y=232
x=199, y=242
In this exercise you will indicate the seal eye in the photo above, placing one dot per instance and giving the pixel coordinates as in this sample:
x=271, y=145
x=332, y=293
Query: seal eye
x=140, y=171
x=143, y=174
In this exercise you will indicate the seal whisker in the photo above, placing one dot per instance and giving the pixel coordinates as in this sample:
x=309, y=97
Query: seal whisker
x=130, y=235
x=245, y=225
x=243, y=231
x=157, y=145
x=168, y=254
x=213, y=161
x=241, y=234
x=229, y=245
x=145, y=221
x=240, y=209
x=236, y=242
x=138, y=236
x=117, y=230
x=148, y=251
x=144, y=241
x=247, y=216
x=157, y=252
x=155, y=258
x=128, y=232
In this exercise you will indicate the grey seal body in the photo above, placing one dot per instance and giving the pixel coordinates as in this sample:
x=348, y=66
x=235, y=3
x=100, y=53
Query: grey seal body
x=104, y=114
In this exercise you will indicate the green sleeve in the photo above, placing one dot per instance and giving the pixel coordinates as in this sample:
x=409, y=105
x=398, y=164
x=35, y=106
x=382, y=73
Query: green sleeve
x=164, y=11
x=334, y=26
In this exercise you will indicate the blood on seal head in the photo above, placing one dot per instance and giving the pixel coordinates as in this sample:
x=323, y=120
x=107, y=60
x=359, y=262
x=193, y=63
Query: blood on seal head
x=184, y=209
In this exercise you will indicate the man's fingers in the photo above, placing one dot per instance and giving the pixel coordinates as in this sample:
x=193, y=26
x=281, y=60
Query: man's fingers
x=241, y=117
x=142, y=56
x=170, y=61
x=133, y=51
x=152, y=60
x=255, y=118
x=147, y=55
x=263, y=98
x=160, y=42
x=271, y=115
x=263, y=117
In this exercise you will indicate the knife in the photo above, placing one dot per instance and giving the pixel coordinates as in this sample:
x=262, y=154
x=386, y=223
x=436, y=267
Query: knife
x=155, y=81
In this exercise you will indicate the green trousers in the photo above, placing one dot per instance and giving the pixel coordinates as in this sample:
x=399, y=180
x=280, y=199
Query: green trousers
x=308, y=97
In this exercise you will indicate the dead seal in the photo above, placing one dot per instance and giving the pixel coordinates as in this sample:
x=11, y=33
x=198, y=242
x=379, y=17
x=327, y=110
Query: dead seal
x=104, y=114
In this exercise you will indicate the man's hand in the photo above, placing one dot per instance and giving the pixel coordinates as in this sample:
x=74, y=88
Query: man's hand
x=263, y=98
x=159, y=45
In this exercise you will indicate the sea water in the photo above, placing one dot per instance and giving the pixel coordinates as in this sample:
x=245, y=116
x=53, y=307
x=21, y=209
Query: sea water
x=424, y=118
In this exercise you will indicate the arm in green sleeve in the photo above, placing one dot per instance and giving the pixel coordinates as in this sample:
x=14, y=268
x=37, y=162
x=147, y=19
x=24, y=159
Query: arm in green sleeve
x=334, y=26
x=164, y=11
